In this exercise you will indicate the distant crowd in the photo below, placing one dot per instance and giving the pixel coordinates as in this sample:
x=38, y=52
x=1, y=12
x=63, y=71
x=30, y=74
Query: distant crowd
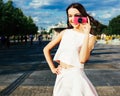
x=6, y=42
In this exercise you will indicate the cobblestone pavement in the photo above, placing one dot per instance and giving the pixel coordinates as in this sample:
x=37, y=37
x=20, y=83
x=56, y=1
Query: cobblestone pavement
x=24, y=72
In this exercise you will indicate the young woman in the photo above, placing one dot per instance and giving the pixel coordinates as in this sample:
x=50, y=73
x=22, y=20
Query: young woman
x=75, y=45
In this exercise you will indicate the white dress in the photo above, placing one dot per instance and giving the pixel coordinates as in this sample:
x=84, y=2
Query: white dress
x=72, y=81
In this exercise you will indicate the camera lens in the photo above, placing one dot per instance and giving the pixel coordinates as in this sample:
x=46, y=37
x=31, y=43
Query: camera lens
x=80, y=20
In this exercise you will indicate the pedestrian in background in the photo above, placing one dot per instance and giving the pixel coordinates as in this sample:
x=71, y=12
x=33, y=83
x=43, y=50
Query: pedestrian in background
x=75, y=45
x=31, y=39
x=40, y=39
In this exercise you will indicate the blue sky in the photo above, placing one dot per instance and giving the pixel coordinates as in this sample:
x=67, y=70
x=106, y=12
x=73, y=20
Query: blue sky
x=46, y=13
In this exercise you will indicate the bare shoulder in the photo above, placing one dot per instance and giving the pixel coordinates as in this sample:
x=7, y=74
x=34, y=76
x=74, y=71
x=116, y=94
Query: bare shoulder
x=63, y=31
x=92, y=41
x=55, y=41
x=92, y=37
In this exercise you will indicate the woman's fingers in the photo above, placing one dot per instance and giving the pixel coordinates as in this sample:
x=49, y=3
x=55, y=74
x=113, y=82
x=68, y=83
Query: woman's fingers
x=58, y=69
x=88, y=20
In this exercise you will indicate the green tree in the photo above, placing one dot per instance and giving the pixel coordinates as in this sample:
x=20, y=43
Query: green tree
x=7, y=19
x=1, y=16
x=114, y=25
x=17, y=21
x=31, y=27
x=100, y=28
x=14, y=22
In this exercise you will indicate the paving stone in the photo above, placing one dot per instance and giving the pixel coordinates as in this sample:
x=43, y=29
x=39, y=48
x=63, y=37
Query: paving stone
x=108, y=90
x=24, y=71
x=47, y=91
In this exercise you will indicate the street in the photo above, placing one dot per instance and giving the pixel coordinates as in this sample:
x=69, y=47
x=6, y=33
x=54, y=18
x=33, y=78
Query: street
x=24, y=71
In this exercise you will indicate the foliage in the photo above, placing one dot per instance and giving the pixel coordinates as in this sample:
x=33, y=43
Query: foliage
x=114, y=25
x=112, y=28
x=100, y=28
x=97, y=27
x=14, y=22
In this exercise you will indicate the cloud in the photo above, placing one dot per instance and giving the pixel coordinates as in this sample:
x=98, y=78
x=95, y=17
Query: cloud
x=107, y=15
x=109, y=1
x=49, y=12
x=40, y=3
x=92, y=13
x=36, y=19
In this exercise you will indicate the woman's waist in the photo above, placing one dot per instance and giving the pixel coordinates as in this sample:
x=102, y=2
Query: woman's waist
x=67, y=66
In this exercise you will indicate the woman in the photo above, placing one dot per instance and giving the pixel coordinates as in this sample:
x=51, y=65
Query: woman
x=75, y=45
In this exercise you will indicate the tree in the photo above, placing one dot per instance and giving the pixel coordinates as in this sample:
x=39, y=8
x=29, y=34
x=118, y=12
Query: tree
x=1, y=15
x=14, y=22
x=17, y=21
x=114, y=25
x=100, y=27
x=31, y=27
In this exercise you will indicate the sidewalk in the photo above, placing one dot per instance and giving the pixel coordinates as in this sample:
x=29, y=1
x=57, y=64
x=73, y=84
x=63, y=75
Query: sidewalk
x=107, y=84
x=33, y=78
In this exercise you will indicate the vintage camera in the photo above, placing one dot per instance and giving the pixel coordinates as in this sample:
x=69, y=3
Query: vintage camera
x=79, y=19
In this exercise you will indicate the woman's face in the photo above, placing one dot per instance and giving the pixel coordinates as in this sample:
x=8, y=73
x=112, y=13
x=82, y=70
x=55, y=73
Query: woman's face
x=72, y=12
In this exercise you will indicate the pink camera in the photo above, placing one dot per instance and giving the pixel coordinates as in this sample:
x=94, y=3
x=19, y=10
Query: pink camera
x=78, y=20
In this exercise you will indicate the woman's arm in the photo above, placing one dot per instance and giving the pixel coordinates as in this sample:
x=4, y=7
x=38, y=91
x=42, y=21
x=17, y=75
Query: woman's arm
x=88, y=43
x=47, y=53
x=86, y=48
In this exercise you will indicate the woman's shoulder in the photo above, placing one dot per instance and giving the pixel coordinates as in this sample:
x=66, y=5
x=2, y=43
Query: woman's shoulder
x=65, y=31
x=91, y=35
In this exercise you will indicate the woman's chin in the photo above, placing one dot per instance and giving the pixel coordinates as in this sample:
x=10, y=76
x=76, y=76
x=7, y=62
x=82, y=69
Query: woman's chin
x=75, y=25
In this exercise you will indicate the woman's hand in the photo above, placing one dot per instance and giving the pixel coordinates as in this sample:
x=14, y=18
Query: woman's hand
x=86, y=26
x=56, y=70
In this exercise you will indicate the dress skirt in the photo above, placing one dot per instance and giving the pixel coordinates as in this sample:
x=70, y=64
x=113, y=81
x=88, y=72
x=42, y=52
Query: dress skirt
x=73, y=82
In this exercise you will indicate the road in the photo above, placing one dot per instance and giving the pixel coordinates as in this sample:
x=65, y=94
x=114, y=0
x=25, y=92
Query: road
x=24, y=71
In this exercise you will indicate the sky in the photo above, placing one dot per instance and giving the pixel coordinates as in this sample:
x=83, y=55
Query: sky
x=46, y=13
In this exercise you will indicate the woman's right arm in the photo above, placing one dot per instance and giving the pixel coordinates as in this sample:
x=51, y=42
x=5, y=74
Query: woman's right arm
x=47, y=53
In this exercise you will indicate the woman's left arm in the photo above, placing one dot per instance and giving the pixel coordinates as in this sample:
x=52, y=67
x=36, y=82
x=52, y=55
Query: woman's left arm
x=91, y=43
x=86, y=48
x=88, y=43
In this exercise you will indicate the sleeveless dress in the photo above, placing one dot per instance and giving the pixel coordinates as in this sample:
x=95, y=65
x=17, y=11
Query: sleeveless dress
x=72, y=81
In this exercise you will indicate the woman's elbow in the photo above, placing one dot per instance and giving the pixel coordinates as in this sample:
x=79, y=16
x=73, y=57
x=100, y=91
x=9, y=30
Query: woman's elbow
x=84, y=60
x=45, y=49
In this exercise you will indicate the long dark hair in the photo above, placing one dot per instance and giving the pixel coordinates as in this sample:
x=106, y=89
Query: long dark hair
x=83, y=12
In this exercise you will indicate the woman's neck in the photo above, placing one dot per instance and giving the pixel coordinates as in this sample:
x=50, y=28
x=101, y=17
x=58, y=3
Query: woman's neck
x=78, y=30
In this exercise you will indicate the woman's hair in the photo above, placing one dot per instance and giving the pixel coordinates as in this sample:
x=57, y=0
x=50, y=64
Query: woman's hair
x=83, y=12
